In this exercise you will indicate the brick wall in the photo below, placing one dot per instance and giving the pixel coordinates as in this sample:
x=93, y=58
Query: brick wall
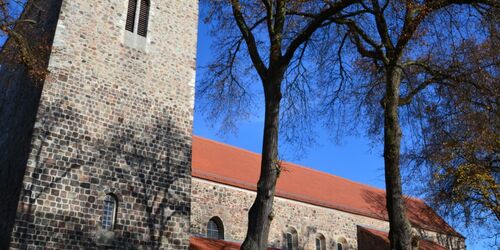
x=231, y=205
x=112, y=119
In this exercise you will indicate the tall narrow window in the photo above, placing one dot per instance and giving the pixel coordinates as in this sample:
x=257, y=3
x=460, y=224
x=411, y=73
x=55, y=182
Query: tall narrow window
x=342, y=244
x=215, y=229
x=132, y=7
x=138, y=17
x=142, y=27
x=291, y=240
x=109, y=212
x=320, y=242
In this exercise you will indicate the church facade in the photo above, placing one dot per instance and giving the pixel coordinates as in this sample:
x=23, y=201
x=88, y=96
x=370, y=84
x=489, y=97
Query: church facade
x=100, y=153
x=108, y=162
x=313, y=210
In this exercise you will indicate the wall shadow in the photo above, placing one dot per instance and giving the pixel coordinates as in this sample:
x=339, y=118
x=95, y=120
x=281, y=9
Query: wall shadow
x=422, y=217
x=376, y=202
x=71, y=168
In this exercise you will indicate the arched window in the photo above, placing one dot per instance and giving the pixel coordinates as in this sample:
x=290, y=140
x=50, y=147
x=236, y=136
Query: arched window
x=138, y=24
x=215, y=229
x=320, y=242
x=109, y=212
x=341, y=244
x=291, y=239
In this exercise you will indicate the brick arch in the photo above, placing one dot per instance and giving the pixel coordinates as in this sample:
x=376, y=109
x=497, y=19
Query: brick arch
x=343, y=242
x=322, y=240
x=291, y=231
x=220, y=226
x=105, y=190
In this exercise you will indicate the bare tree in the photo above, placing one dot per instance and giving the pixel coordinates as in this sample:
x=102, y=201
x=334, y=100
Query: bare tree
x=275, y=36
x=398, y=57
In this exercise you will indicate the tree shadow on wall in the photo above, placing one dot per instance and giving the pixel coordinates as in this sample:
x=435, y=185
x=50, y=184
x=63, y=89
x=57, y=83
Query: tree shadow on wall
x=72, y=167
x=418, y=213
x=46, y=174
x=302, y=241
x=154, y=162
x=310, y=233
x=376, y=202
x=309, y=238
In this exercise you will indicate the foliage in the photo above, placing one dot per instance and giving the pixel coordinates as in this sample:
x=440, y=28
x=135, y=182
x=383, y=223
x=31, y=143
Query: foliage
x=422, y=67
x=461, y=128
x=16, y=45
x=409, y=51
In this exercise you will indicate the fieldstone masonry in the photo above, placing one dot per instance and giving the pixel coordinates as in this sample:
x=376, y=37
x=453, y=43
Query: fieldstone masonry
x=231, y=204
x=114, y=116
x=111, y=119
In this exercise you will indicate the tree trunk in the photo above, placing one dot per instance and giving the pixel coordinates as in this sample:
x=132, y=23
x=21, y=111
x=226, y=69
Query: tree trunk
x=400, y=227
x=261, y=212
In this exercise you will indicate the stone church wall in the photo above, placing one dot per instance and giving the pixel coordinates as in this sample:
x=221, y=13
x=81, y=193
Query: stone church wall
x=112, y=119
x=231, y=205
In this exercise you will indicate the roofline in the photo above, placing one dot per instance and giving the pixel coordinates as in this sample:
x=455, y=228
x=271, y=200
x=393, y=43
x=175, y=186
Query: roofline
x=203, y=175
x=253, y=187
x=303, y=167
x=286, y=195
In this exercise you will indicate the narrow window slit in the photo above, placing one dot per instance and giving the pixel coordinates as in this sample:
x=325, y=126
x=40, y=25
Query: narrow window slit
x=142, y=28
x=132, y=7
x=138, y=17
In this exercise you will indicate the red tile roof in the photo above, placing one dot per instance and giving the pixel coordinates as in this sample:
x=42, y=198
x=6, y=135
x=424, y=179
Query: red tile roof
x=374, y=239
x=197, y=243
x=233, y=166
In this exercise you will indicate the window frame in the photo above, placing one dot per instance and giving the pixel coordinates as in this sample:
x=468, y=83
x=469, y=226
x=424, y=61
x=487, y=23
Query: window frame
x=320, y=238
x=132, y=6
x=137, y=17
x=219, y=225
x=289, y=241
x=108, y=219
x=291, y=233
x=342, y=242
x=141, y=6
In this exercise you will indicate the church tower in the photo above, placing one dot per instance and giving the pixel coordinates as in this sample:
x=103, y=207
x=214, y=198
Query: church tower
x=98, y=154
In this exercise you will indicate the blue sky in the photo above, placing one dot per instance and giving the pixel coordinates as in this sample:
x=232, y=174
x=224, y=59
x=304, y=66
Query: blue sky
x=356, y=157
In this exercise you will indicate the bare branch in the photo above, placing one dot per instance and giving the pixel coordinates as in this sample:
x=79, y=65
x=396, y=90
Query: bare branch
x=249, y=39
x=313, y=26
x=382, y=26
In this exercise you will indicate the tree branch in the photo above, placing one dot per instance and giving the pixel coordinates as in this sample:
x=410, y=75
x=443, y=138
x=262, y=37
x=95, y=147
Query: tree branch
x=408, y=98
x=313, y=26
x=249, y=39
x=382, y=26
